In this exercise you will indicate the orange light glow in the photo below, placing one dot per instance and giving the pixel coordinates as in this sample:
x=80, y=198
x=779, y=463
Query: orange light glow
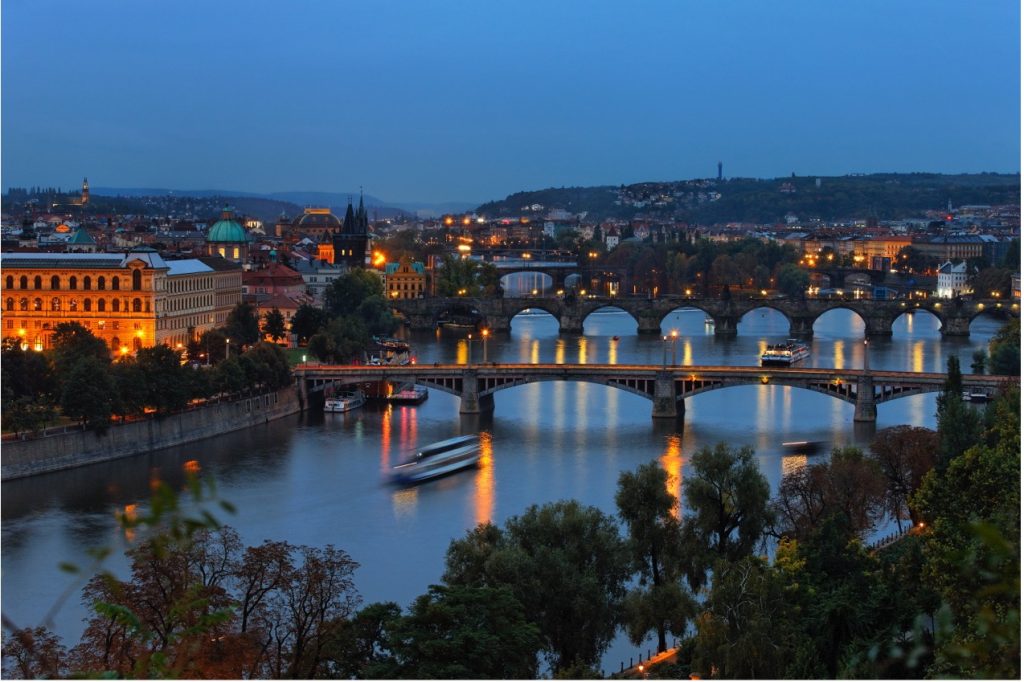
x=192, y=466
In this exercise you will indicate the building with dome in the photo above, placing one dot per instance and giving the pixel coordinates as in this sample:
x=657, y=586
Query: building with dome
x=315, y=223
x=228, y=239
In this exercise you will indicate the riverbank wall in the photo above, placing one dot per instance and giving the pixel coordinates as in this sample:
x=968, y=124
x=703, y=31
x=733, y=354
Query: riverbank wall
x=74, y=447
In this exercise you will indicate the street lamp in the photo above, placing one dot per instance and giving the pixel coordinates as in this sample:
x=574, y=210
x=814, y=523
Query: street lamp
x=227, y=348
x=485, y=333
x=675, y=335
x=469, y=350
x=664, y=351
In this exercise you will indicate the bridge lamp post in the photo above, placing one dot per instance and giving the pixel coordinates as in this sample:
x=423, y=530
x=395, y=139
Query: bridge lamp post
x=485, y=333
x=664, y=351
x=469, y=350
x=675, y=335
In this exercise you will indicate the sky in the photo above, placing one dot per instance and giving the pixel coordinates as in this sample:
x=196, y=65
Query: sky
x=472, y=101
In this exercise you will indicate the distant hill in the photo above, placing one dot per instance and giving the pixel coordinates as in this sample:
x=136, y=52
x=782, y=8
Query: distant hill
x=336, y=201
x=706, y=201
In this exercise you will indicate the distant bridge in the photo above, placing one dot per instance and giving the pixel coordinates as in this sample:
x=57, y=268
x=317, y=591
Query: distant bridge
x=496, y=313
x=666, y=387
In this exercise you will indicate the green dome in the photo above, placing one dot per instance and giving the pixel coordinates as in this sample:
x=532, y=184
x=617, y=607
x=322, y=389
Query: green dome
x=226, y=230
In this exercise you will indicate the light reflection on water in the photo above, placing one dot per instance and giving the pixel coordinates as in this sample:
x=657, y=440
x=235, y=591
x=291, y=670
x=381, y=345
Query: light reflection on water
x=318, y=479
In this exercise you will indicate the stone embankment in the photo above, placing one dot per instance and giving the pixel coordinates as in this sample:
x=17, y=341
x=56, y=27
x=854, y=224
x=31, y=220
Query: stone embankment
x=71, y=447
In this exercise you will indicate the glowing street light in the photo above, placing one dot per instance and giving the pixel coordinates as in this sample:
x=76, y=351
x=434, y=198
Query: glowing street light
x=469, y=350
x=227, y=348
x=485, y=333
x=675, y=335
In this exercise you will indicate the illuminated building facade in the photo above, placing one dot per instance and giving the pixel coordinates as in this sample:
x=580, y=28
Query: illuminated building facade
x=129, y=300
x=405, y=280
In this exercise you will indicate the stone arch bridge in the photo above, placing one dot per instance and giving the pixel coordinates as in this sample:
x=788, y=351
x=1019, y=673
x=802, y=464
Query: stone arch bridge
x=496, y=313
x=667, y=388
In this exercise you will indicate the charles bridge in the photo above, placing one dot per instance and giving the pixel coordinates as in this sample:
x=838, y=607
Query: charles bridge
x=666, y=387
x=496, y=313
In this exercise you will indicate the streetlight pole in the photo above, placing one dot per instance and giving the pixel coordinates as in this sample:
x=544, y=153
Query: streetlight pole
x=664, y=351
x=469, y=350
x=866, y=364
x=675, y=335
x=227, y=348
x=486, y=333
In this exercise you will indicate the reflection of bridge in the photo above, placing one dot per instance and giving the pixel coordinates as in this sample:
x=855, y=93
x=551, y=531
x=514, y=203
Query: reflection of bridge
x=667, y=388
x=497, y=313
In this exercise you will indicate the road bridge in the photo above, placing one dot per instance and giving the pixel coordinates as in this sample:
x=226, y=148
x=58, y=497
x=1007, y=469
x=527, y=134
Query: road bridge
x=666, y=387
x=496, y=313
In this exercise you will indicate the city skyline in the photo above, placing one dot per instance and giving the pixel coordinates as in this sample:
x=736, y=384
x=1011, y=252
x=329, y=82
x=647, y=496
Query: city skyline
x=459, y=102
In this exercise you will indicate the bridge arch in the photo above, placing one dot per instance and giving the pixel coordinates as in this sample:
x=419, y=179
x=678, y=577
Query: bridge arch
x=921, y=321
x=589, y=310
x=546, y=281
x=683, y=307
x=841, y=307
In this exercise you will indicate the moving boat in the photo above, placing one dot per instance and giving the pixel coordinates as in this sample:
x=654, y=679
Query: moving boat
x=409, y=394
x=709, y=321
x=785, y=353
x=975, y=397
x=344, y=402
x=803, y=447
x=439, y=459
x=388, y=351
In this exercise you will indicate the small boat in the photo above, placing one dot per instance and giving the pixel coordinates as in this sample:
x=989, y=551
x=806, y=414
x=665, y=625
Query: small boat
x=785, y=353
x=410, y=394
x=803, y=447
x=975, y=397
x=615, y=338
x=709, y=321
x=345, y=402
x=439, y=459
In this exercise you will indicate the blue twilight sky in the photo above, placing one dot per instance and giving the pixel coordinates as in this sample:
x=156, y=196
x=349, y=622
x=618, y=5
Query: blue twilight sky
x=437, y=101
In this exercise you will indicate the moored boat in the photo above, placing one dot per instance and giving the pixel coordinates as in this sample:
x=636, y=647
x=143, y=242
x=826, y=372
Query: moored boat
x=785, y=353
x=344, y=402
x=439, y=459
x=410, y=394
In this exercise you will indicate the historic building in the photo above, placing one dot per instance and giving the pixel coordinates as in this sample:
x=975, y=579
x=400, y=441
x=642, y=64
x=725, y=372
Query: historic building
x=129, y=300
x=405, y=279
x=350, y=243
x=314, y=223
x=951, y=280
x=228, y=239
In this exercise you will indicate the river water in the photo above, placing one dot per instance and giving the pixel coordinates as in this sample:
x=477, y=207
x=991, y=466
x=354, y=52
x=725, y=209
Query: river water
x=317, y=479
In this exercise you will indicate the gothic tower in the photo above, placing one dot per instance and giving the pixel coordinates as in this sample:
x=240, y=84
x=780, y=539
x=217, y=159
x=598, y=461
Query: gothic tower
x=85, y=191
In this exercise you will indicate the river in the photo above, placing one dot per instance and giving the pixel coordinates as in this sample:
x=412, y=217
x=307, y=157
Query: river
x=317, y=479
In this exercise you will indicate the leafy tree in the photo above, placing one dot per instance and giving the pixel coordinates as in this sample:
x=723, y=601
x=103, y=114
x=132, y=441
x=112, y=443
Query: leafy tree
x=727, y=497
x=347, y=292
x=1004, y=350
x=25, y=374
x=23, y=414
x=229, y=377
x=991, y=281
x=461, y=632
x=904, y=455
x=242, y=325
x=132, y=391
x=565, y=563
x=792, y=280
x=166, y=385
x=361, y=647
x=33, y=654
x=274, y=325
x=465, y=277
x=89, y=392
x=848, y=486
x=213, y=345
x=343, y=340
x=909, y=259
x=269, y=366
x=978, y=361
x=71, y=342
x=958, y=424
x=655, y=539
x=307, y=321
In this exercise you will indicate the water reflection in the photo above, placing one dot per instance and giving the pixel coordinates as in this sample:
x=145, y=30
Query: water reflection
x=672, y=462
x=484, y=501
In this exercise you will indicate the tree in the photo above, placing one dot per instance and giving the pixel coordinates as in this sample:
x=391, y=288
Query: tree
x=904, y=455
x=792, y=280
x=89, y=392
x=958, y=425
x=728, y=501
x=990, y=282
x=342, y=341
x=213, y=345
x=242, y=325
x=166, y=385
x=347, y=292
x=269, y=367
x=461, y=632
x=564, y=562
x=646, y=506
x=33, y=654
x=1004, y=350
x=307, y=321
x=274, y=325
x=848, y=486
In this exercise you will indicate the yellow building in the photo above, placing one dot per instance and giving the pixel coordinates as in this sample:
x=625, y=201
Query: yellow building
x=129, y=300
x=404, y=280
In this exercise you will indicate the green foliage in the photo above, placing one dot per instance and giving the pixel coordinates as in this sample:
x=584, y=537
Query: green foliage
x=307, y=321
x=958, y=425
x=1004, y=350
x=660, y=603
x=242, y=325
x=25, y=374
x=727, y=498
x=904, y=455
x=990, y=282
x=165, y=381
x=565, y=563
x=71, y=342
x=89, y=392
x=348, y=292
x=462, y=632
x=274, y=324
x=342, y=341
x=792, y=280
x=465, y=277
x=267, y=367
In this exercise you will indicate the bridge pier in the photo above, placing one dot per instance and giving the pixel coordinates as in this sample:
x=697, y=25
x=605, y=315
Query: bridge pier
x=956, y=326
x=865, y=409
x=570, y=323
x=877, y=326
x=725, y=325
x=648, y=323
x=498, y=323
x=665, y=404
x=472, y=402
x=801, y=327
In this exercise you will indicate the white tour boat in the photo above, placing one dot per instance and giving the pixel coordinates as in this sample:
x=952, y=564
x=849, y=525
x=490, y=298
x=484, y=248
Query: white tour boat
x=439, y=459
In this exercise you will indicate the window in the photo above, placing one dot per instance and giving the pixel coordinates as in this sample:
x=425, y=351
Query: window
x=101, y=305
x=115, y=305
x=38, y=282
x=55, y=283
x=37, y=304
x=55, y=304
x=9, y=304
x=115, y=343
x=73, y=305
x=115, y=283
x=136, y=305
x=87, y=283
x=101, y=283
x=137, y=280
x=87, y=305
x=10, y=281
x=23, y=304
x=73, y=283
x=23, y=282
